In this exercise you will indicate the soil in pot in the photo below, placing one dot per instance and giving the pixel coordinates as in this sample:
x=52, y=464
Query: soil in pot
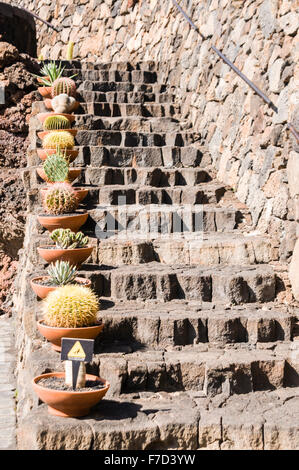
x=58, y=383
x=67, y=403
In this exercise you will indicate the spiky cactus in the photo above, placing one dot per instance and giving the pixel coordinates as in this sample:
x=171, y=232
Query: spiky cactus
x=71, y=307
x=61, y=139
x=64, y=85
x=60, y=198
x=66, y=239
x=56, y=168
x=63, y=103
x=62, y=273
x=52, y=123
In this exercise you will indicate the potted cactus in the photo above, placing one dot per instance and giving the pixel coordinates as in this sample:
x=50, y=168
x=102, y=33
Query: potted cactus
x=58, y=123
x=55, y=141
x=56, y=168
x=60, y=274
x=66, y=402
x=60, y=204
x=70, y=312
x=69, y=246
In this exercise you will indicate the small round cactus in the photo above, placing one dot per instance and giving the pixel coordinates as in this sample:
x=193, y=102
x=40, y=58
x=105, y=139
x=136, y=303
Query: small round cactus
x=56, y=122
x=59, y=199
x=61, y=139
x=64, y=85
x=56, y=168
x=63, y=103
x=71, y=307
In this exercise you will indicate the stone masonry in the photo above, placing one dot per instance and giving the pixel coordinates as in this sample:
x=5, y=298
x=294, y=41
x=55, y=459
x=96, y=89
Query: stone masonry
x=200, y=343
x=248, y=142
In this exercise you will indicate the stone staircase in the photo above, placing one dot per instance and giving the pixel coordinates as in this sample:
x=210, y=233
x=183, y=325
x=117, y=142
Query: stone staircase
x=197, y=347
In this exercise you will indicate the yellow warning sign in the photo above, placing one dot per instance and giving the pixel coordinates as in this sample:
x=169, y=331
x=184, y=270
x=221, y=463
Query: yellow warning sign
x=77, y=351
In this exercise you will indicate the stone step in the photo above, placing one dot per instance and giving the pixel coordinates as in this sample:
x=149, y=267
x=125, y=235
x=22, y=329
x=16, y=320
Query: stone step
x=207, y=368
x=150, y=176
x=133, y=124
x=75, y=66
x=205, y=250
x=89, y=88
x=166, y=219
x=204, y=193
x=133, y=97
x=234, y=370
x=134, y=139
x=208, y=249
x=181, y=421
x=156, y=281
x=102, y=156
x=85, y=77
x=151, y=110
x=180, y=323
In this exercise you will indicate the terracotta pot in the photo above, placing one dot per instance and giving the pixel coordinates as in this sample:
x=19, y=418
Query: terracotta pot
x=43, y=116
x=69, y=404
x=43, y=153
x=43, y=134
x=81, y=193
x=73, y=174
x=75, y=256
x=45, y=91
x=40, y=79
x=42, y=291
x=74, y=222
x=54, y=335
x=48, y=103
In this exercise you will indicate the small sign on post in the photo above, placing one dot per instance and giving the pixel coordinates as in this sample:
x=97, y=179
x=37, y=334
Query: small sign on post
x=2, y=93
x=76, y=350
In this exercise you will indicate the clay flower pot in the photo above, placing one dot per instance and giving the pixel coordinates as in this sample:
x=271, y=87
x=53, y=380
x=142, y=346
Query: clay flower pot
x=73, y=174
x=81, y=193
x=48, y=103
x=69, y=404
x=55, y=335
x=40, y=79
x=42, y=291
x=43, y=134
x=70, y=154
x=72, y=221
x=43, y=116
x=75, y=256
x=45, y=91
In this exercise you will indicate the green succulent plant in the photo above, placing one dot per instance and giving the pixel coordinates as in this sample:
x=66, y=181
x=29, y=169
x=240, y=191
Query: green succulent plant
x=51, y=70
x=62, y=273
x=56, y=168
x=60, y=198
x=71, y=306
x=53, y=123
x=66, y=239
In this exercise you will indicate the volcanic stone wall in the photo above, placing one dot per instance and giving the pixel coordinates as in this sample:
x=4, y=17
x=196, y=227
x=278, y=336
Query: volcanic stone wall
x=251, y=149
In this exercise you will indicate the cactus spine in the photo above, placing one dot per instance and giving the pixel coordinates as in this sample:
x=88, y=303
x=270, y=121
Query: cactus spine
x=56, y=168
x=56, y=122
x=66, y=239
x=71, y=307
x=59, y=199
x=61, y=139
x=64, y=85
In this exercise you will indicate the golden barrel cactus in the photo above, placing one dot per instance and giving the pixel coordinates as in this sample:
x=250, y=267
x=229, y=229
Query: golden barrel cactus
x=71, y=306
